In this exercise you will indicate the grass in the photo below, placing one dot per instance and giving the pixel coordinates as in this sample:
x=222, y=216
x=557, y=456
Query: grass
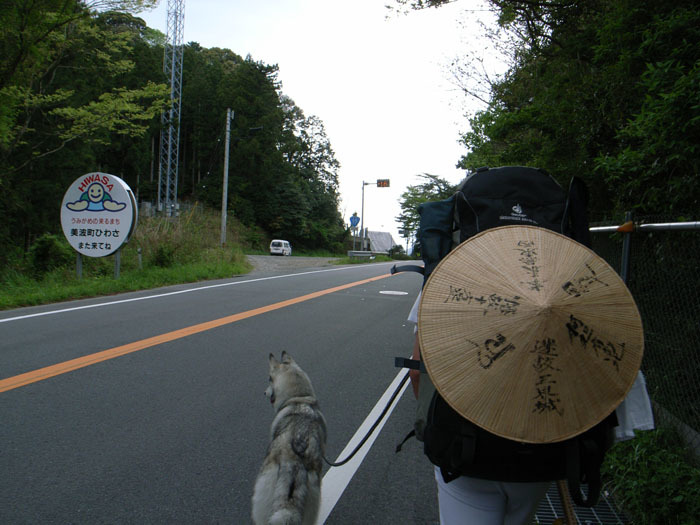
x=654, y=478
x=162, y=252
x=63, y=284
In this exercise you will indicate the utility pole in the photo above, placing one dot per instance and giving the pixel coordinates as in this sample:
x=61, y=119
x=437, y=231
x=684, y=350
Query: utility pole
x=381, y=183
x=362, y=212
x=170, y=118
x=224, y=189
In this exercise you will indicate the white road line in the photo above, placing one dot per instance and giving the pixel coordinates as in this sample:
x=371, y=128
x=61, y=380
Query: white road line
x=337, y=478
x=157, y=296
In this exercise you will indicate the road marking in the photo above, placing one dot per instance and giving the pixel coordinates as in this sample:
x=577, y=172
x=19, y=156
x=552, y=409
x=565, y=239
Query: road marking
x=74, y=364
x=392, y=292
x=337, y=479
x=189, y=290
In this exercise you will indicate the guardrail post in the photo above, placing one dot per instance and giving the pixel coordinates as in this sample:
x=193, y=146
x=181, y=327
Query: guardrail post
x=626, y=251
x=117, y=262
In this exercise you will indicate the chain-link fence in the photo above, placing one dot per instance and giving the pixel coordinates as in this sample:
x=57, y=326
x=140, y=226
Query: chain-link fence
x=664, y=279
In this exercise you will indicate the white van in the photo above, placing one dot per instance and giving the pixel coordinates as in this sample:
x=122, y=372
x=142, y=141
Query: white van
x=279, y=247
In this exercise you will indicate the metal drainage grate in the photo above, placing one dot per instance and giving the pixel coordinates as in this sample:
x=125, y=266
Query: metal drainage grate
x=603, y=513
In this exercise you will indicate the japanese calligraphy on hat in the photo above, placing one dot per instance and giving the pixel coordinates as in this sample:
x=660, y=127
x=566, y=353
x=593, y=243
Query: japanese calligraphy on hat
x=529, y=334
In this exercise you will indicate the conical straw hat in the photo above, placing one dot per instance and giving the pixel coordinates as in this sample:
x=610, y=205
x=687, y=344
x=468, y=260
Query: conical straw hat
x=529, y=334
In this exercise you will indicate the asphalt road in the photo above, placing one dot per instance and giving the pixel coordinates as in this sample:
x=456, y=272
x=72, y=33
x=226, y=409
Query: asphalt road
x=148, y=407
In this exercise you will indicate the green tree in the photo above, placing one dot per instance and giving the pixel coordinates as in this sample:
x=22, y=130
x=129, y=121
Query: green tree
x=135, y=157
x=606, y=90
x=256, y=163
x=82, y=90
x=433, y=189
x=46, y=43
x=283, y=175
x=62, y=99
x=308, y=150
x=654, y=163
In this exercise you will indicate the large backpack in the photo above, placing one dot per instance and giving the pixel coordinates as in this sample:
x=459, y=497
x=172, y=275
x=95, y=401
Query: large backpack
x=489, y=198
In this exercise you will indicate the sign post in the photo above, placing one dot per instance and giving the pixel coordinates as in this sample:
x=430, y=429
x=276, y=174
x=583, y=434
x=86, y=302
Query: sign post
x=354, y=220
x=224, y=187
x=98, y=215
x=381, y=183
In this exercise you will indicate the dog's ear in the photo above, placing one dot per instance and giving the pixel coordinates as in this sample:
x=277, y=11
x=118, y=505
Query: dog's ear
x=286, y=358
x=273, y=360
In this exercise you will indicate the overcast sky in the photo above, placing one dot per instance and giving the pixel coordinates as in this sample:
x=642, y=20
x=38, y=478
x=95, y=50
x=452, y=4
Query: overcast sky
x=382, y=86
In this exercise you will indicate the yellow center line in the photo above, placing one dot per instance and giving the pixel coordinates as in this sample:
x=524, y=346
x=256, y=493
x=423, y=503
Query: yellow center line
x=74, y=364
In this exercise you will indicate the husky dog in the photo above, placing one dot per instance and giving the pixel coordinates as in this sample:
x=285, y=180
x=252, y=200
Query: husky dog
x=288, y=487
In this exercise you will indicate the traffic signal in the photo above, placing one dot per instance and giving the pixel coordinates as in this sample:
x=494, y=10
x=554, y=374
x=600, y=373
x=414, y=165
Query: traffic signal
x=382, y=183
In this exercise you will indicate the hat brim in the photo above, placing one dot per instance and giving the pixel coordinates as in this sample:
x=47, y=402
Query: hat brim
x=529, y=334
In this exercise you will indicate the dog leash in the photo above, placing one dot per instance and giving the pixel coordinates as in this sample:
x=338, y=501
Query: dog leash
x=372, y=428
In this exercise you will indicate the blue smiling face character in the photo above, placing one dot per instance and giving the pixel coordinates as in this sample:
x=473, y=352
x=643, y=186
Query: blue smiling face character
x=95, y=195
x=95, y=198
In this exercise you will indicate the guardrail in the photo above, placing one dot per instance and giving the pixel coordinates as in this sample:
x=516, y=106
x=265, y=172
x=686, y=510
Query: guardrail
x=661, y=272
x=630, y=226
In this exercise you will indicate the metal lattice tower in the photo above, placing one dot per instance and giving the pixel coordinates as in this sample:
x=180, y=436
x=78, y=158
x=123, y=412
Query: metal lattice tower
x=170, y=118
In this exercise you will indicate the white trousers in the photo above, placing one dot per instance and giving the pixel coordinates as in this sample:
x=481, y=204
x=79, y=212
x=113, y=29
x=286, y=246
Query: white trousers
x=471, y=501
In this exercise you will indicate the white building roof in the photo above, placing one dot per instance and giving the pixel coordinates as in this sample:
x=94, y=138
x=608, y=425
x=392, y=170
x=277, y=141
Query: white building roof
x=380, y=241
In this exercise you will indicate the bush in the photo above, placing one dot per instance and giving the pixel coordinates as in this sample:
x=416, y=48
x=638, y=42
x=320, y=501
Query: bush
x=255, y=239
x=164, y=255
x=48, y=253
x=653, y=478
x=398, y=253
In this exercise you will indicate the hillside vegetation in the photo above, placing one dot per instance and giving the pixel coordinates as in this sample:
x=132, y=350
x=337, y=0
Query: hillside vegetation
x=161, y=252
x=82, y=90
x=606, y=90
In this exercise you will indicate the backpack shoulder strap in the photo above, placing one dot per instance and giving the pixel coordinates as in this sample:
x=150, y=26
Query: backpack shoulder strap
x=413, y=364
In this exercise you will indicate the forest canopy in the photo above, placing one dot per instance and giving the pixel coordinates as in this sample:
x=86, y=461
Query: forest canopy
x=82, y=89
x=607, y=90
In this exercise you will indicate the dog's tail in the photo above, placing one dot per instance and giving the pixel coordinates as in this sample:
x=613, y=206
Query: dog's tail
x=296, y=495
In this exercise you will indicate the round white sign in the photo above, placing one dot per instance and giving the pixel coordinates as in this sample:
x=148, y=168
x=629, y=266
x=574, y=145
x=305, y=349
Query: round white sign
x=98, y=214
